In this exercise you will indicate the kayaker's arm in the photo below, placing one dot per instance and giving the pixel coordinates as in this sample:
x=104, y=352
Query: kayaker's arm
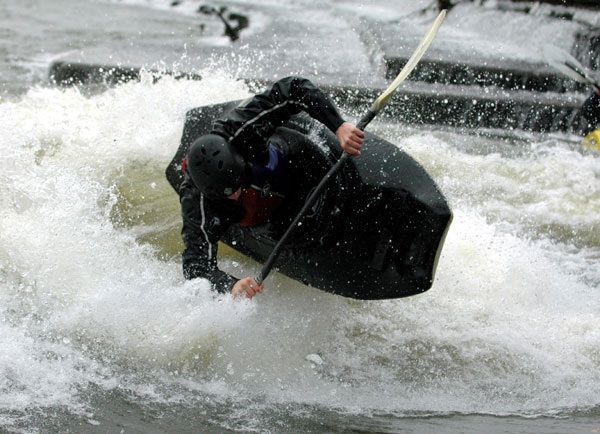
x=250, y=125
x=200, y=234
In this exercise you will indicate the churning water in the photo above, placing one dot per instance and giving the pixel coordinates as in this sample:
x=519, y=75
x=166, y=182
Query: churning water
x=99, y=332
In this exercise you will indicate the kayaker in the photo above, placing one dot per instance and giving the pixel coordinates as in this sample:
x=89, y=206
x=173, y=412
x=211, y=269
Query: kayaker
x=238, y=173
x=591, y=112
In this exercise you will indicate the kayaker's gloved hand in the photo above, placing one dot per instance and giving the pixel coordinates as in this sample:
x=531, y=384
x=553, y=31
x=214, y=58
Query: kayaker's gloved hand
x=246, y=287
x=351, y=138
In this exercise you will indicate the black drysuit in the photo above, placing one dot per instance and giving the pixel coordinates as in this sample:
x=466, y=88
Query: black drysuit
x=250, y=127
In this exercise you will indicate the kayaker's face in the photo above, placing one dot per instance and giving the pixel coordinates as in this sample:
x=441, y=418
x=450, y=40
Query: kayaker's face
x=236, y=194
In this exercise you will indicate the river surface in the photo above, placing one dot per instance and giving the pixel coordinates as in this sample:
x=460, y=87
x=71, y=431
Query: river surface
x=100, y=333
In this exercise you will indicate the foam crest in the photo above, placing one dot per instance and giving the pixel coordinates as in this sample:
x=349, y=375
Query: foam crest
x=509, y=325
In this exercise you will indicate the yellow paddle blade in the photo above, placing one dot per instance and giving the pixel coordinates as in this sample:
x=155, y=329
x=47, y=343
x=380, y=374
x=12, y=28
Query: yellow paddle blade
x=411, y=63
x=592, y=140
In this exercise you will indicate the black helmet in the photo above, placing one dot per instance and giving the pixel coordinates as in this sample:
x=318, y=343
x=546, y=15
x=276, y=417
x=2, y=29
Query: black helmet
x=215, y=166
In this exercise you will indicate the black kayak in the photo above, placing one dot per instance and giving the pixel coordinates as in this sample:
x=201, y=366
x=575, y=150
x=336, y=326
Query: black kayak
x=375, y=233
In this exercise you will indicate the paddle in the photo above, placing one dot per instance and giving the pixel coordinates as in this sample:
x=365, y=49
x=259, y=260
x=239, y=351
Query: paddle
x=375, y=108
x=568, y=65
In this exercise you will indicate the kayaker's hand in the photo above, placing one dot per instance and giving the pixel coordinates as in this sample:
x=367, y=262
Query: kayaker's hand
x=351, y=138
x=246, y=287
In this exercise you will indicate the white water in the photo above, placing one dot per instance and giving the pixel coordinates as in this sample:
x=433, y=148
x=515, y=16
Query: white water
x=511, y=324
x=92, y=300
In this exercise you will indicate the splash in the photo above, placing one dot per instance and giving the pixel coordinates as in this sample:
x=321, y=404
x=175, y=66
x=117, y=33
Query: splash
x=74, y=283
x=92, y=296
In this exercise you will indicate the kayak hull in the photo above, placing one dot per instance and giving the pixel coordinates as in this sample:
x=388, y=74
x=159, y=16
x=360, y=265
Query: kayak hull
x=377, y=231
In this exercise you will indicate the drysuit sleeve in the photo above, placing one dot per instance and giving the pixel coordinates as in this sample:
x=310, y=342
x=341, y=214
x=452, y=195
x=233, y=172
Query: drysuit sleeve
x=202, y=229
x=249, y=125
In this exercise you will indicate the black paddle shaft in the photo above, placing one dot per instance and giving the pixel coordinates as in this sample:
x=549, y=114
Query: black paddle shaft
x=268, y=265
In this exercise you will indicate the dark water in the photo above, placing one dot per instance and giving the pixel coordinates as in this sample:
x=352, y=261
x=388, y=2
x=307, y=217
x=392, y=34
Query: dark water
x=99, y=333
